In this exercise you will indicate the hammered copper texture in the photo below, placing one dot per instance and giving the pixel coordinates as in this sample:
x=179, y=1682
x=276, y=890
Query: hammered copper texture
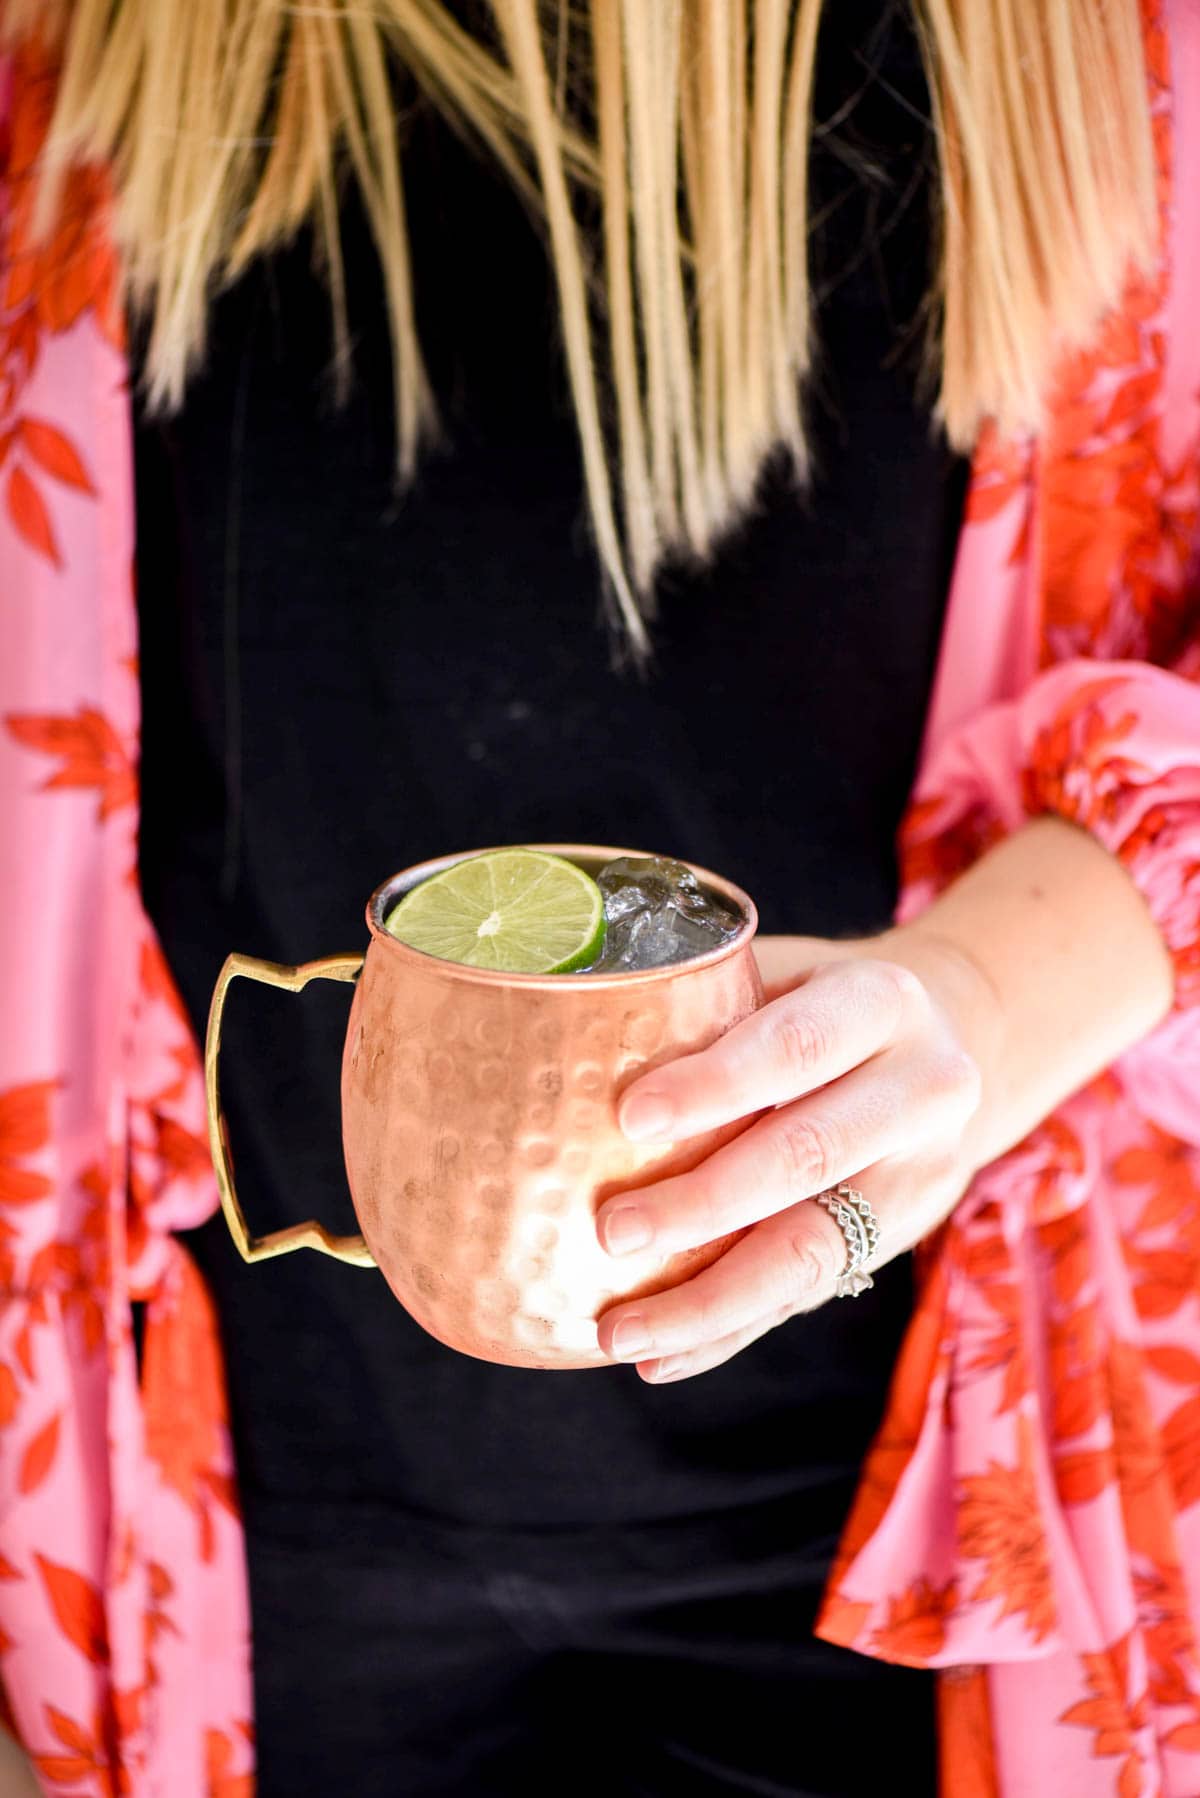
x=479, y=1121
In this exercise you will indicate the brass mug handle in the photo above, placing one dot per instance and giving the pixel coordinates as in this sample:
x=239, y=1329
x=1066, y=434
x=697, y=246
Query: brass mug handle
x=311, y=1235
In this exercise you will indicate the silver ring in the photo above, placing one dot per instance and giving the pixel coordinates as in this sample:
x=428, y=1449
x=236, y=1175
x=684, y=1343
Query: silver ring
x=858, y=1224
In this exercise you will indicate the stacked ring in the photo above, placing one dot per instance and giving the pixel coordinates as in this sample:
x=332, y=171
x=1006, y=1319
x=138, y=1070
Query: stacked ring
x=858, y=1224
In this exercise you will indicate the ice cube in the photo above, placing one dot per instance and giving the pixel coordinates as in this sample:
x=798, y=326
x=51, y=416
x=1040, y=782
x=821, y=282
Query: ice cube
x=658, y=913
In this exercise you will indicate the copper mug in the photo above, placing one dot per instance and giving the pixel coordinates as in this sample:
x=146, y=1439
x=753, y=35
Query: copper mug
x=480, y=1131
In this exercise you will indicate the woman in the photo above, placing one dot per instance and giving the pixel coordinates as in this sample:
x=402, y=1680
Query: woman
x=453, y=1567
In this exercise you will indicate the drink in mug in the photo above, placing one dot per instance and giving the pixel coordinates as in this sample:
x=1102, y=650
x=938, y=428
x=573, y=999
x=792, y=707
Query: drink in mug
x=528, y=912
x=504, y=1003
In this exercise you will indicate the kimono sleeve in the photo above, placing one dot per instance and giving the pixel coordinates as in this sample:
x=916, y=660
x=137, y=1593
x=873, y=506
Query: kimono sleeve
x=1113, y=747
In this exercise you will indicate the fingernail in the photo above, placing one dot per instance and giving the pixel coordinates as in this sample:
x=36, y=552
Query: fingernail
x=625, y=1228
x=666, y=1370
x=646, y=1114
x=631, y=1338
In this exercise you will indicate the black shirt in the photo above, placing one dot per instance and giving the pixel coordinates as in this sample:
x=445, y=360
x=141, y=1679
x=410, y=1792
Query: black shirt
x=338, y=682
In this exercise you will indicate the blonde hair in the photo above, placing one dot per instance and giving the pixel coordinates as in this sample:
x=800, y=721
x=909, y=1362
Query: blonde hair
x=686, y=326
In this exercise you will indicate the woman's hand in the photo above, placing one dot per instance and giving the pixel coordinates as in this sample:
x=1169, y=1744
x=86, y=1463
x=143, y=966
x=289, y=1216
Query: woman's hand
x=901, y=1064
x=868, y=1066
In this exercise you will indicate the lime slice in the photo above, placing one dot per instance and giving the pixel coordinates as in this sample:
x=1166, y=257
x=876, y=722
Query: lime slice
x=518, y=910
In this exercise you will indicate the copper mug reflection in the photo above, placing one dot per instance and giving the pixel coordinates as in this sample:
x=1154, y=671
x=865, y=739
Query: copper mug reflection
x=480, y=1131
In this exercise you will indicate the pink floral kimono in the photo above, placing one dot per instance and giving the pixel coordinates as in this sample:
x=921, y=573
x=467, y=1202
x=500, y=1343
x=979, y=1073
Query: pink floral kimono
x=1029, y=1518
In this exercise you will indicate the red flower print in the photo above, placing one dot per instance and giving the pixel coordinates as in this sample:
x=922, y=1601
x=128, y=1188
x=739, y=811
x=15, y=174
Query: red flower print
x=1078, y=1384
x=53, y=452
x=1075, y=1341
x=1110, y=1713
x=27, y=509
x=158, y=1621
x=1001, y=471
x=79, y=1269
x=1042, y=1170
x=90, y=1755
x=71, y=269
x=1082, y=1477
x=842, y=1619
x=936, y=847
x=49, y=280
x=1167, y=1165
x=985, y=1254
x=1181, y=1441
x=78, y=1609
x=184, y=1398
x=65, y=1266
x=1004, y=1348
x=999, y=468
x=1074, y=768
x=91, y=752
x=158, y=985
x=183, y=1154
x=1109, y=505
x=222, y=1783
x=999, y=1523
x=915, y=1630
x=24, y=1130
x=128, y=1707
x=1145, y=1494
x=8, y=1235
x=10, y=1395
x=1177, y=1364
x=38, y=1458
x=965, y=1737
x=921, y=1357
x=1168, y=1278
x=1157, y=51
x=1064, y=1240
x=1077, y=1404
x=184, y=1429
x=1167, y=1632
x=35, y=447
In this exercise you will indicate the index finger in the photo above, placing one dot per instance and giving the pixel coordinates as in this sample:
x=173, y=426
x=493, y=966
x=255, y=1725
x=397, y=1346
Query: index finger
x=842, y=1015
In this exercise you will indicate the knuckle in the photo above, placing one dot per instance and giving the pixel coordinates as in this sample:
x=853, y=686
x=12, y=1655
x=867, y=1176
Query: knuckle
x=882, y=994
x=903, y=987
x=943, y=1175
x=801, y=1037
x=955, y=1077
x=810, y=1263
x=704, y=1206
x=715, y=1213
x=808, y=1152
x=714, y=1317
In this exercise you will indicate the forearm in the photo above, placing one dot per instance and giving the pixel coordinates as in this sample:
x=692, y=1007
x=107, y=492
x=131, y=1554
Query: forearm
x=1049, y=957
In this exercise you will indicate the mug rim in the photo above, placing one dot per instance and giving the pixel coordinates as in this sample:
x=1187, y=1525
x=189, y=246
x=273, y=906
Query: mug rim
x=386, y=891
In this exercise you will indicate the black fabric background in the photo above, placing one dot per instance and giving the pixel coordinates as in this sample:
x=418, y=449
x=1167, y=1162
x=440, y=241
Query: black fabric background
x=338, y=682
